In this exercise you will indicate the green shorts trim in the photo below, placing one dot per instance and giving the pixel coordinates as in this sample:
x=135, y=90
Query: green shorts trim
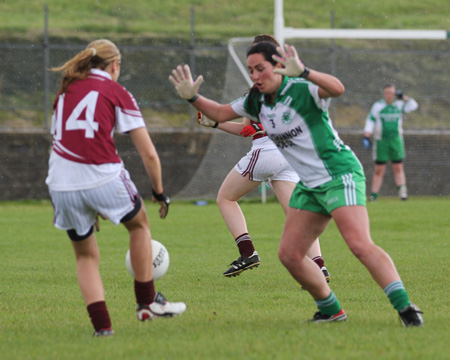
x=344, y=190
x=389, y=150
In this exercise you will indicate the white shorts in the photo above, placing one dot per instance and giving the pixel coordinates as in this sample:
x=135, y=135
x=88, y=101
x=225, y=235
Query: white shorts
x=266, y=165
x=79, y=209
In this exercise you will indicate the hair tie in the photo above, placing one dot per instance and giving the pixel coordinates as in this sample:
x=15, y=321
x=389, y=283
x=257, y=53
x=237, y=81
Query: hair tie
x=94, y=52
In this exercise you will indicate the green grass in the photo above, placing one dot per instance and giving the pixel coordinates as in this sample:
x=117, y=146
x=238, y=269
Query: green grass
x=257, y=315
x=217, y=20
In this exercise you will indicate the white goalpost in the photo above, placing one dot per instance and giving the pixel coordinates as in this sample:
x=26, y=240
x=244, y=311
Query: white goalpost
x=281, y=32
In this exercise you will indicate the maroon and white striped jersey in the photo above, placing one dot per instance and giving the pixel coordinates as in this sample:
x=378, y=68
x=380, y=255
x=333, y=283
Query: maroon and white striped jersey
x=83, y=124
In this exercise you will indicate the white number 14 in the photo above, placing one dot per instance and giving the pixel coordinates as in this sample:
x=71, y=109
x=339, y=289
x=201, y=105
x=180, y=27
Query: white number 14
x=88, y=103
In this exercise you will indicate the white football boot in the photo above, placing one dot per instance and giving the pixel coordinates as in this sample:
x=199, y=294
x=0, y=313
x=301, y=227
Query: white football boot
x=160, y=307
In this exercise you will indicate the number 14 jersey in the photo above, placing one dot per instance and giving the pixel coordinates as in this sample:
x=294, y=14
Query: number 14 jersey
x=83, y=124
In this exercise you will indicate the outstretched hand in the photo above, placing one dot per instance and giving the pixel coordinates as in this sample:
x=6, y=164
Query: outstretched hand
x=289, y=59
x=181, y=78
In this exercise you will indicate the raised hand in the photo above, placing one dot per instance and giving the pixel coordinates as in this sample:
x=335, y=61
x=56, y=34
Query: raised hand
x=181, y=78
x=289, y=59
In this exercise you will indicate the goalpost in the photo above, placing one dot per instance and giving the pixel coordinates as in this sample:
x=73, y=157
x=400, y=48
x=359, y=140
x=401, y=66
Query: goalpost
x=281, y=32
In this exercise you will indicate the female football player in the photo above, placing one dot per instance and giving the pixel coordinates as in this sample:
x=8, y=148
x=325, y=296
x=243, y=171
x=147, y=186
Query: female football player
x=86, y=177
x=292, y=102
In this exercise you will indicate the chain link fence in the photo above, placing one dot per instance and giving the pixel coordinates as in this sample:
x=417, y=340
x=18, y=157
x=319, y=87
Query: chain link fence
x=420, y=68
x=25, y=94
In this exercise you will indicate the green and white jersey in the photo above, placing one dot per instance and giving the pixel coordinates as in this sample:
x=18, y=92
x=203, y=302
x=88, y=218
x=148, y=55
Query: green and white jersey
x=299, y=125
x=386, y=121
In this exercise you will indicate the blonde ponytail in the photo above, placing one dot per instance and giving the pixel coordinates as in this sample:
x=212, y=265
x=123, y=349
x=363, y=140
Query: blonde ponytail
x=98, y=54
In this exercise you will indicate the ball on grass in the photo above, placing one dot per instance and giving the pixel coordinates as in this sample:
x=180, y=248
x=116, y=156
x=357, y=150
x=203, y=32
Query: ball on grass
x=160, y=260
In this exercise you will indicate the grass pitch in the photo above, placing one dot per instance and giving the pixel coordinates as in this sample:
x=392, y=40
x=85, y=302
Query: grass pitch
x=257, y=315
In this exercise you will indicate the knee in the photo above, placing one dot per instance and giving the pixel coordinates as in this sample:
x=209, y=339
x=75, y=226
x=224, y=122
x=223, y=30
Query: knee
x=379, y=171
x=288, y=256
x=361, y=250
x=222, y=199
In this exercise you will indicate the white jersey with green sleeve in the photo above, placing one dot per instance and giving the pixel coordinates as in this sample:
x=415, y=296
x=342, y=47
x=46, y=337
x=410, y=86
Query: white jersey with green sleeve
x=386, y=121
x=298, y=123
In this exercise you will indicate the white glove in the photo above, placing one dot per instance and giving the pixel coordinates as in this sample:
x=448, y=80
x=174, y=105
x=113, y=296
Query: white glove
x=289, y=59
x=181, y=78
x=205, y=121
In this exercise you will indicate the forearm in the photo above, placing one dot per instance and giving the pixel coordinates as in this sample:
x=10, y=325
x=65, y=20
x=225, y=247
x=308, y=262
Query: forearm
x=368, y=129
x=410, y=105
x=213, y=110
x=149, y=156
x=152, y=165
x=231, y=127
x=330, y=86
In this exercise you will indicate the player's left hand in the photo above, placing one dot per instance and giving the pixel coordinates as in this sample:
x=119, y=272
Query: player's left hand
x=181, y=78
x=290, y=60
x=252, y=130
x=164, y=203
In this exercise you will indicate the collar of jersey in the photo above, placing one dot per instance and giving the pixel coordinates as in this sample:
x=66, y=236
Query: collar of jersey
x=101, y=73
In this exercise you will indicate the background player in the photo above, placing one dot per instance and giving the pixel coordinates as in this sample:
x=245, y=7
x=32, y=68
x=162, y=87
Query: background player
x=263, y=162
x=385, y=121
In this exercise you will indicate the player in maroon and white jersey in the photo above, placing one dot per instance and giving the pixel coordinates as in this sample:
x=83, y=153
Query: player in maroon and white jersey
x=263, y=162
x=86, y=177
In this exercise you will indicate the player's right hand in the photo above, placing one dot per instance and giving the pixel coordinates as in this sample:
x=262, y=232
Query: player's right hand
x=181, y=78
x=289, y=59
x=252, y=130
x=164, y=203
x=205, y=121
x=366, y=143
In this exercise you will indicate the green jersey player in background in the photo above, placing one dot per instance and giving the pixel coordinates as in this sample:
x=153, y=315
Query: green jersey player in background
x=294, y=112
x=385, y=123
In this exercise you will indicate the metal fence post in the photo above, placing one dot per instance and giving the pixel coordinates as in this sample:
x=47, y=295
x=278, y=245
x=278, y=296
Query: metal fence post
x=192, y=62
x=46, y=67
x=333, y=64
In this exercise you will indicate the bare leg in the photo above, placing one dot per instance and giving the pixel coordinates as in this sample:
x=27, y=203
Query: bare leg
x=140, y=246
x=302, y=228
x=399, y=174
x=353, y=224
x=377, y=179
x=233, y=188
x=283, y=190
x=89, y=279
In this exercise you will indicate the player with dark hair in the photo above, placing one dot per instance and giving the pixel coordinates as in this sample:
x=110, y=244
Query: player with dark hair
x=86, y=177
x=385, y=122
x=294, y=113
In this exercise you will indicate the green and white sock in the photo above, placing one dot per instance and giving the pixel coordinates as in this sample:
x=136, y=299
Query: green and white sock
x=397, y=295
x=330, y=305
